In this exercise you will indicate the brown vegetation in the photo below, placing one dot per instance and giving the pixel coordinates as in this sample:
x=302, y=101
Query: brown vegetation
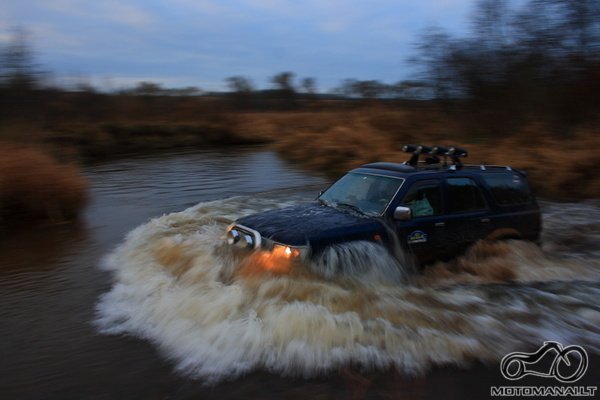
x=33, y=187
x=339, y=140
x=332, y=140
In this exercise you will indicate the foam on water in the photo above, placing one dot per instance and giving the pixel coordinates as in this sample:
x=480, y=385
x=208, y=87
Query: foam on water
x=217, y=314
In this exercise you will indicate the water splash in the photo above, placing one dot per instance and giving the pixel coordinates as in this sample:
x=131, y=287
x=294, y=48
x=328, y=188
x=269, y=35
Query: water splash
x=217, y=314
x=365, y=261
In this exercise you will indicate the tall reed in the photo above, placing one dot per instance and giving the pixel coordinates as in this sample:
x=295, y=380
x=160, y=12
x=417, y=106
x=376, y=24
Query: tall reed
x=34, y=186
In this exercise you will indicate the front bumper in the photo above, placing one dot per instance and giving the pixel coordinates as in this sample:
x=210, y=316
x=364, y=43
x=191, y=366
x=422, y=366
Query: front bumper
x=243, y=237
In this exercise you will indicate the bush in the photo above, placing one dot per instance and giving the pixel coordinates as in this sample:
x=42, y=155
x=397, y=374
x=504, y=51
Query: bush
x=35, y=187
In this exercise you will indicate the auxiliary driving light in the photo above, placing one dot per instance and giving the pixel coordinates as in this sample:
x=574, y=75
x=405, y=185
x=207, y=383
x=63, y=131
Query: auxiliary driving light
x=242, y=236
x=439, y=150
x=457, y=152
x=247, y=240
x=233, y=237
x=409, y=148
x=422, y=149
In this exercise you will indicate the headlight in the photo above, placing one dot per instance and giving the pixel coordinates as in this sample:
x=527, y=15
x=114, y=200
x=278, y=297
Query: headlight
x=243, y=236
x=291, y=252
x=233, y=236
x=247, y=240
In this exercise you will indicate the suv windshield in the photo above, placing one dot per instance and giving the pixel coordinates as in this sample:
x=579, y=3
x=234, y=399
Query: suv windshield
x=367, y=194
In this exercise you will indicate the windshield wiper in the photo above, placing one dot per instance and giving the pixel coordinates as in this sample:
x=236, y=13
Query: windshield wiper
x=350, y=206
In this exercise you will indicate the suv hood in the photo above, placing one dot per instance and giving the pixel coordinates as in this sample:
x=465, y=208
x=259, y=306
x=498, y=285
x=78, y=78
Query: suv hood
x=315, y=224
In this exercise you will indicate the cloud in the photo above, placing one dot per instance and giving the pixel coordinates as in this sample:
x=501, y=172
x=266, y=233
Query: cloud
x=113, y=11
x=210, y=40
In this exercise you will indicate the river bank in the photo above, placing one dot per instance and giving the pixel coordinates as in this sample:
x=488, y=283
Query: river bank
x=331, y=141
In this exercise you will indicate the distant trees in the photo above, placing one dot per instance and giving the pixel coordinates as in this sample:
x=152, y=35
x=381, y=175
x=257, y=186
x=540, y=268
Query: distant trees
x=242, y=91
x=542, y=61
x=283, y=93
x=309, y=86
x=20, y=77
x=18, y=69
x=369, y=89
x=373, y=90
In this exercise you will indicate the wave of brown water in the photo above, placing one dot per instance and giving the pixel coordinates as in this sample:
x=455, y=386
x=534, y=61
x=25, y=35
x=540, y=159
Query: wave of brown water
x=218, y=315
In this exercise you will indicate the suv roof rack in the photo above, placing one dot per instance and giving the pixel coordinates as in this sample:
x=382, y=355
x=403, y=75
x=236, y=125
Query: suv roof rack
x=452, y=152
x=435, y=152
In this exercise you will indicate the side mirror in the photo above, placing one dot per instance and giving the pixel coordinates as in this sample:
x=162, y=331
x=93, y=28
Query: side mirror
x=402, y=213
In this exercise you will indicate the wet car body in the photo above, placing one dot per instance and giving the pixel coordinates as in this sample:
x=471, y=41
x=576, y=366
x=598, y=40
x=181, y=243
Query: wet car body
x=463, y=205
x=315, y=224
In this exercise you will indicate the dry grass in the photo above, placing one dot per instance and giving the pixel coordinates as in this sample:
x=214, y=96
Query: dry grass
x=562, y=168
x=335, y=141
x=331, y=139
x=33, y=186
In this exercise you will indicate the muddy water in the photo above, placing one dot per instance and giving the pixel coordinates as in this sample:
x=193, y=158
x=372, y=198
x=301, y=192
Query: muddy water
x=143, y=300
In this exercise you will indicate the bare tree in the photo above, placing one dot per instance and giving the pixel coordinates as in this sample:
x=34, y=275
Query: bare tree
x=283, y=81
x=285, y=94
x=240, y=84
x=309, y=85
x=20, y=79
x=542, y=61
x=242, y=91
x=148, y=89
x=18, y=69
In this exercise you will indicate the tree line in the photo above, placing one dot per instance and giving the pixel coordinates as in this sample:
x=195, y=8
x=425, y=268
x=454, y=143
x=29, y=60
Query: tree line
x=539, y=62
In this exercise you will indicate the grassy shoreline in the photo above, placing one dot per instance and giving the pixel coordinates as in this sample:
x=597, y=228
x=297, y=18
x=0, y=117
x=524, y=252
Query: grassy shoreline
x=39, y=177
x=35, y=187
x=561, y=168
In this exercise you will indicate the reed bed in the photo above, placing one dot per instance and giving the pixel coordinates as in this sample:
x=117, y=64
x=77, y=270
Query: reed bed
x=559, y=167
x=34, y=187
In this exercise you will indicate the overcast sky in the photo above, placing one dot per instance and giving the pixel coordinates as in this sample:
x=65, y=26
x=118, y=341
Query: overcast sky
x=182, y=43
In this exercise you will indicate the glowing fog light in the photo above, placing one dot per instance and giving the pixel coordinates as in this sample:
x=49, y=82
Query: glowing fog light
x=286, y=251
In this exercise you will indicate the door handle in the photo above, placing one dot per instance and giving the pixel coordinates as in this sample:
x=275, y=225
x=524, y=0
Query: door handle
x=440, y=224
x=485, y=220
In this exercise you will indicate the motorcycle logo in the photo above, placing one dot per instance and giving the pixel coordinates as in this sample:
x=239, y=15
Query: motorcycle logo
x=569, y=364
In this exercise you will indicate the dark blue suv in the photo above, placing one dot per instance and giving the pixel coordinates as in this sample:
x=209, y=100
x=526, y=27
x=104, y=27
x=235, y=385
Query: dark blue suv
x=432, y=209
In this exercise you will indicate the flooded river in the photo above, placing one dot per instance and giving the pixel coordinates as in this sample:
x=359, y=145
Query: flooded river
x=142, y=299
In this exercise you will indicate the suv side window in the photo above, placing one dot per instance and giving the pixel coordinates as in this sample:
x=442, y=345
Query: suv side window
x=508, y=188
x=465, y=195
x=424, y=198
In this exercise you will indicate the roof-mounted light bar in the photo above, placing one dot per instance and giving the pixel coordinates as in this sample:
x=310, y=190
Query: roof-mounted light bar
x=453, y=152
x=457, y=152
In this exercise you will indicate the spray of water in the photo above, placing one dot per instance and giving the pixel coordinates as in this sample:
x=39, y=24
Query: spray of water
x=218, y=314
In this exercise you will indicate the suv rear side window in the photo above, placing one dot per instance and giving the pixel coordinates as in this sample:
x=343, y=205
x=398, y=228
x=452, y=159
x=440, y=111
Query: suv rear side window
x=424, y=198
x=465, y=195
x=508, y=188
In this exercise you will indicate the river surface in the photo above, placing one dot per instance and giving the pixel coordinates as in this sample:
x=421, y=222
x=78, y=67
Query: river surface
x=141, y=299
